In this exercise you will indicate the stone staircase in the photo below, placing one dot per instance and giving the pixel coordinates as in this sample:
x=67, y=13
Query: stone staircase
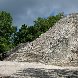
x=45, y=73
x=10, y=69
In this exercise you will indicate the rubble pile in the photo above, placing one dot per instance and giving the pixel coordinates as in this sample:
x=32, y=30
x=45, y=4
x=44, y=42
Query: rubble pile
x=57, y=46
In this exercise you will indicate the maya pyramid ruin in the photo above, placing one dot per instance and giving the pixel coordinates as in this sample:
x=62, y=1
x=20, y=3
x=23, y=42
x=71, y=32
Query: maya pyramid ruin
x=57, y=46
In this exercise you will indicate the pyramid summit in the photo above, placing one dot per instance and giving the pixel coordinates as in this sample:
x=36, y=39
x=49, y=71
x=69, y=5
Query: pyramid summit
x=57, y=46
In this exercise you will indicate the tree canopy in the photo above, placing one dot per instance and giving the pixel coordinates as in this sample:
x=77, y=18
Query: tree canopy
x=6, y=31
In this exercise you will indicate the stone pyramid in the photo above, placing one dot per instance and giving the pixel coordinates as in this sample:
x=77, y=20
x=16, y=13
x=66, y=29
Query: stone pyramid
x=57, y=46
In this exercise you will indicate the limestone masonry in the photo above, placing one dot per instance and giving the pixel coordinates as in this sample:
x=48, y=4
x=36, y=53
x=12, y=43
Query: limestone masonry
x=57, y=46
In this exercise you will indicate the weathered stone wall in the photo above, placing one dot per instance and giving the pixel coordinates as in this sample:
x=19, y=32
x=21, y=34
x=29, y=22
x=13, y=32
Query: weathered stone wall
x=58, y=46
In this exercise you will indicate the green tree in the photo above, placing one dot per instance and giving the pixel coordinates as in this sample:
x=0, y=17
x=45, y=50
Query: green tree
x=6, y=31
x=21, y=35
x=53, y=19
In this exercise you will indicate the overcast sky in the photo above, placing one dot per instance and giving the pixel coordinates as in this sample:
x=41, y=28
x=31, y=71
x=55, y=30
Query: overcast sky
x=26, y=11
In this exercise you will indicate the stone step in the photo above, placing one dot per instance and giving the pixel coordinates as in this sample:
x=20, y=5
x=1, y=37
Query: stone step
x=46, y=73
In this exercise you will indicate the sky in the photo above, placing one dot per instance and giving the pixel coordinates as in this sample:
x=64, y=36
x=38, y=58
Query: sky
x=26, y=11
